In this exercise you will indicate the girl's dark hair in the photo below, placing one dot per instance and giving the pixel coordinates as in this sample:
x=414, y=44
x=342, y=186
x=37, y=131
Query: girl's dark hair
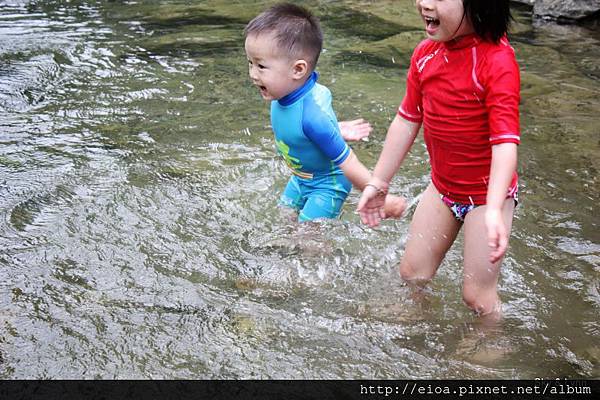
x=297, y=31
x=490, y=18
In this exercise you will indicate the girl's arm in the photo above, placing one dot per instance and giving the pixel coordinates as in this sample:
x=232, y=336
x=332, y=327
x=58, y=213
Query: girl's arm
x=400, y=137
x=398, y=141
x=504, y=165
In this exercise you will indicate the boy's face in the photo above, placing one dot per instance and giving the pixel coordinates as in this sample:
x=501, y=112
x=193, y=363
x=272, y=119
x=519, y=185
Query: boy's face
x=444, y=19
x=273, y=72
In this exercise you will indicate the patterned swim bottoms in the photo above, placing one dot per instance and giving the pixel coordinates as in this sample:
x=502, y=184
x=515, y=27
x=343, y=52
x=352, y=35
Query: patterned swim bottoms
x=460, y=210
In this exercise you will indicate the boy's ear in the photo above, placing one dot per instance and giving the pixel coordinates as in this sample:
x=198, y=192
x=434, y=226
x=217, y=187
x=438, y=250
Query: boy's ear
x=300, y=69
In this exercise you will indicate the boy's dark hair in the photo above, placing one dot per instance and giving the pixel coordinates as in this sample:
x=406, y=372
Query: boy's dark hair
x=490, y=18
x=296, y=30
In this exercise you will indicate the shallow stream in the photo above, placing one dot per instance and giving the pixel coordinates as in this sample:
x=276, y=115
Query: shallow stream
x=139, y=233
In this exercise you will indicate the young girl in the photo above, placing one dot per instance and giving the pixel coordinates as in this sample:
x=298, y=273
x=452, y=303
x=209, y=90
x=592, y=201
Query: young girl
x=463, y=87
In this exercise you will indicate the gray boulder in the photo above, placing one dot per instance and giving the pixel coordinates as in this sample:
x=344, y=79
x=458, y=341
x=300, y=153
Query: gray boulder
x=563, y=10
x=566, y=9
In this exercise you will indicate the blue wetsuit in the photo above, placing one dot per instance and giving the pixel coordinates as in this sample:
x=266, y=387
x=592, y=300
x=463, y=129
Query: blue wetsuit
x=307, y=136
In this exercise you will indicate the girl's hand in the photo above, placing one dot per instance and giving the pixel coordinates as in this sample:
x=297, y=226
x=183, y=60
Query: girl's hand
x=370, y=206
x=357, y=129
x=497, y=234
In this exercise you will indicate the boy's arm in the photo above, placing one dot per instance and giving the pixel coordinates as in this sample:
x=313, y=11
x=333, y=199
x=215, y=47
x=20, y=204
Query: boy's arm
x=326, y=136
x=355, y=171
x=504, y=165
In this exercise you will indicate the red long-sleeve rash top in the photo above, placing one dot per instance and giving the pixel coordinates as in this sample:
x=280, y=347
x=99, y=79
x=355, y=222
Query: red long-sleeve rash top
x=466, y=94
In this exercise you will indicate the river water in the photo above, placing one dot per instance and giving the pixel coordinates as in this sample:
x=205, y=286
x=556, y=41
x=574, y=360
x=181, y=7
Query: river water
x=139, y=233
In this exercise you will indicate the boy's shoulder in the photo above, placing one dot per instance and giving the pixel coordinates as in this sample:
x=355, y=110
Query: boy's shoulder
x=321, y=90
x=318, y=108
x=319, y=95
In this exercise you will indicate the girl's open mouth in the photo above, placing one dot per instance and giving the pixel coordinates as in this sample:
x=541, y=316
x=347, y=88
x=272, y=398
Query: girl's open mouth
x=431, y=24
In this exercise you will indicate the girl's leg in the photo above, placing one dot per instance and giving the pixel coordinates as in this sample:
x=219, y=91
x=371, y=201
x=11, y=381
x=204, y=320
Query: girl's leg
x=432, y=231
x=480, y=280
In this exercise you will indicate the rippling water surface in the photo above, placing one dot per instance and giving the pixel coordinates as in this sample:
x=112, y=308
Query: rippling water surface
x=140, y=237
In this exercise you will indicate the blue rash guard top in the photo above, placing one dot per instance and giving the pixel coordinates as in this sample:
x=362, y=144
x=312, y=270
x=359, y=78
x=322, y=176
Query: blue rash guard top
x=308, y=138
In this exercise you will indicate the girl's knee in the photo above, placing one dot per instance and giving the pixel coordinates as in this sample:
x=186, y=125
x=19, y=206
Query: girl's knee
x=406, y=272
x=481, y=302
x=414, y=275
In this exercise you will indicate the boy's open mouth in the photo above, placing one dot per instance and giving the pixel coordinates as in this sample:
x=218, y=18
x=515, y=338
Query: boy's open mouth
x=262, y=90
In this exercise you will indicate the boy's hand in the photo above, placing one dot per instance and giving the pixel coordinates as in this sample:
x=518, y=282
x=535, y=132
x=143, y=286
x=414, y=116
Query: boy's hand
x=394, y=206
x=497, y=234
x=357, y=129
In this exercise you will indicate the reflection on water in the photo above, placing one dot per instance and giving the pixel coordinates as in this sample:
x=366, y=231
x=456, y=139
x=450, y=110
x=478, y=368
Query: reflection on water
x=140, y=236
